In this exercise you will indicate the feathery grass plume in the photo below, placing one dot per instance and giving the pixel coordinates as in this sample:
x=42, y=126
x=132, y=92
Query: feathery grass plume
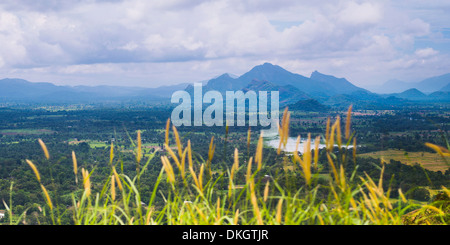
x=194, y=177
x=316, y=151
x=167, y=131
x=297, y=143
x=35, y=170
x=168, y=168
x=348, y=122
x=183, y=163
x=400, y=193
x=86, y=182
x=446, y=191
x=306, y=162
x=139, y=147
x=113, y=188
x=174, y=156
x=342, y=177
x=279, y=209
x=330, y=142
x=111, y=153
x=47, y=196
x=330, y=161
x=249, y=169
x=236, y=217
x=327, y=132
x=259, y=151
x=284, y=130
x=338, y=131
x=295, y=154
x=354, y=149
x=211, y=150
x=202, y=215
x=191, y=166
x=44, y=148
x=218, y=211
x=200, y=178
x=189, y=154
x=177, y=140
x=148, y=219
x=254, y=202
x=235, y=166
x=439, y=149
x=119, y=184
x=75, y=166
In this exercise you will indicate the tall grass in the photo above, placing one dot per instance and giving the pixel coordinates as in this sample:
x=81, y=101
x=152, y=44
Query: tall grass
x=195, y=198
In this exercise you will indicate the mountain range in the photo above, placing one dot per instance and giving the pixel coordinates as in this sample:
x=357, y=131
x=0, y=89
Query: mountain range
x=429, y=85
x=321, y=88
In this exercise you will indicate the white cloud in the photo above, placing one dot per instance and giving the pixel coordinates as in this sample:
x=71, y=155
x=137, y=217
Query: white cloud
x=357, y=14
x=426, y=52
x=140, y=39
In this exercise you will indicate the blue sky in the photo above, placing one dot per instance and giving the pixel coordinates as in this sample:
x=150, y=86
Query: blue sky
x=154, y=43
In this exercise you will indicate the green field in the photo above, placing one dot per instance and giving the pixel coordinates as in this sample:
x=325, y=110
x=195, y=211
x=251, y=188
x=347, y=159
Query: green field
x=430, y=161
x=25, y=131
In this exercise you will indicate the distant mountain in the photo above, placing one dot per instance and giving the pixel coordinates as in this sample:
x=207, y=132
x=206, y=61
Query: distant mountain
x=19, y=90
x=428, y=85
x=339, y=85
x=309, y=105
x=318, y=86
x=266, y=72
x=411, y=94
x=287, y=94
x=163, y=91
x=325, y=89
x=440, y=96
x=446, y=88
x=414, y=95
x=392, y=86
x=433, y=84
x=279, y=76
x=364, y=100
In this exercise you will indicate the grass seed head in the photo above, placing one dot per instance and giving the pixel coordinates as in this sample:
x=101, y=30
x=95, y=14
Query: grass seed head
x=139, y=147
x=167, y=131
x=348, y=122
x=113, y=188
x=111, y=153
x=44, y=148
x=35, y=170
x=47, y=196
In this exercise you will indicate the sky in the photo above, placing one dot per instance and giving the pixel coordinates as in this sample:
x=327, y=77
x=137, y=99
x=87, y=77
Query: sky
x=158, y=43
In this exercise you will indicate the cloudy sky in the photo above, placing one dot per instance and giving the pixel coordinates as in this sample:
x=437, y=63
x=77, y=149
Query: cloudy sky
x=154, y=43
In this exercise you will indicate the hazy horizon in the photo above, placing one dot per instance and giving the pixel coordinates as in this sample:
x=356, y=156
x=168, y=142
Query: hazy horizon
x=151, y=44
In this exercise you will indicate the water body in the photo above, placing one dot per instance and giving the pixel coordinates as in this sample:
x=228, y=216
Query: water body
x=292, y=141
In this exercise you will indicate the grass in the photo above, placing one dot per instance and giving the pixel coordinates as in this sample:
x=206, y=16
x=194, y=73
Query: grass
x=194, y=196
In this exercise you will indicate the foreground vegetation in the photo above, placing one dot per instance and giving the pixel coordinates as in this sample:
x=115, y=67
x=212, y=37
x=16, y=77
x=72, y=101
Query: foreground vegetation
x=323, y=187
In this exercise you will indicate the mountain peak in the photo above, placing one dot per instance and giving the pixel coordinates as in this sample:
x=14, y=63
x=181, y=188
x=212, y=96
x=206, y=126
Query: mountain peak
x=315, y=75
x=412, y=92
x=268, y=67
x=268, y=64
x=225, y=75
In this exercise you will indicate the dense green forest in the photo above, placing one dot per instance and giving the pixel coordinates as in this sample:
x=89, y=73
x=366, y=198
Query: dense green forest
x=90, y=132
